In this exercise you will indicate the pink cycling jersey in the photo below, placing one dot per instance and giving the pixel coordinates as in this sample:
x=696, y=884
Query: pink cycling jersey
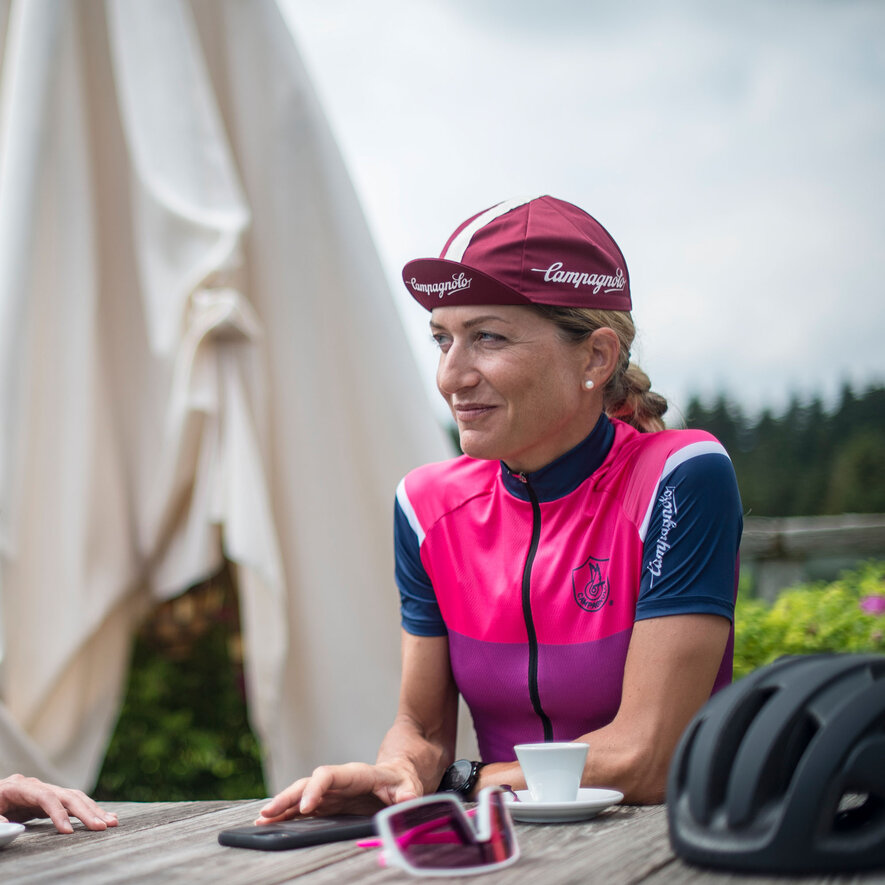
x=537, y=580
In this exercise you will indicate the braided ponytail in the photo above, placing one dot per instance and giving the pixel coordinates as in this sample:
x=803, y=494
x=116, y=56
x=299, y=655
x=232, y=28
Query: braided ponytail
x=628, y=395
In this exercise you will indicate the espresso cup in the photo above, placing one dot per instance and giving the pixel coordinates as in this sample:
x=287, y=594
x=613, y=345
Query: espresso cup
x=552, y=770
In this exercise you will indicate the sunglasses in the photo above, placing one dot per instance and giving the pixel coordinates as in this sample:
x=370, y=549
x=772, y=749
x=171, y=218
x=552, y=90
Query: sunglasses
x=436, y=836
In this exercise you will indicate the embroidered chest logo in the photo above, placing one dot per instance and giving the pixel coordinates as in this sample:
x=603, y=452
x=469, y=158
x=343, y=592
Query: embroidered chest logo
x=589, y=586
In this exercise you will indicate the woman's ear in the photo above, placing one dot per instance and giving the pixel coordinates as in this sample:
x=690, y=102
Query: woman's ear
x=602, y=351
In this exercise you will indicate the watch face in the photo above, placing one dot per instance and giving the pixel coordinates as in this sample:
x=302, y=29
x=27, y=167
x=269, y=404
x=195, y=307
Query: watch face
x=460, y=773
x=457, y=777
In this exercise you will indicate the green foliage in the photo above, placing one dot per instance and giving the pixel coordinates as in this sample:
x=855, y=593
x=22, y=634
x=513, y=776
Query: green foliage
x=182, y=732
x=807, y=461
x=811, y=618
x=858, y=463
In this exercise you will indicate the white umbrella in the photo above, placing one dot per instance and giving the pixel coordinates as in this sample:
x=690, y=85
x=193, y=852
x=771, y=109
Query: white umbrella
x=199, y=357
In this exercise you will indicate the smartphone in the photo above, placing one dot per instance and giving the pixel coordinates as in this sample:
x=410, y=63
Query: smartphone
x=300, y=832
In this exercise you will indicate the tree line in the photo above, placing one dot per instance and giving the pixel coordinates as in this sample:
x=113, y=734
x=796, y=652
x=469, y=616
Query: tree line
x=807, y=461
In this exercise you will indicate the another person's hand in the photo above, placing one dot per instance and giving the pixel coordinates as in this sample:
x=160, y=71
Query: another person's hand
x=23, y=798
x=353, y=788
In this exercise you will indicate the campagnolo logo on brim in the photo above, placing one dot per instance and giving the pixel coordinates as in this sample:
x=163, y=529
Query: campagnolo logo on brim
x=615, y=282
x=457, y=283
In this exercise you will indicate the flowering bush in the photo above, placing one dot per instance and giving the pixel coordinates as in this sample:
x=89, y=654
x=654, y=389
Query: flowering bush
x=847, y=615
x=874, y=605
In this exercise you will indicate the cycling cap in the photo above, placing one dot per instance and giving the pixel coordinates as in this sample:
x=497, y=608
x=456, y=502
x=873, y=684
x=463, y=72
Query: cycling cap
x=784, y=771
x=525, y=251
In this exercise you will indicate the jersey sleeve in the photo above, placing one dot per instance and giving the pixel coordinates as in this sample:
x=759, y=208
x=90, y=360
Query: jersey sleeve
x=690, y=552
x=419, y=610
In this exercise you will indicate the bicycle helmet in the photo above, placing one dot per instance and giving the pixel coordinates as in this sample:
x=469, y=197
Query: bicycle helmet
x=784, y=771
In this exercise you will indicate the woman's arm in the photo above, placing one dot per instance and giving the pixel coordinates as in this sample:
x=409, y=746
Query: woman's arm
x=671, y=665
x=412, y=757
x=423, y=734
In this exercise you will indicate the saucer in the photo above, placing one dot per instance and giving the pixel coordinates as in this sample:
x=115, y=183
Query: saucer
x=9, y=831
x=590, y=802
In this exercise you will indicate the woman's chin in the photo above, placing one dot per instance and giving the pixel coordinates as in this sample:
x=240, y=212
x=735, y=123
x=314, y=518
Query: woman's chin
x=473, y=445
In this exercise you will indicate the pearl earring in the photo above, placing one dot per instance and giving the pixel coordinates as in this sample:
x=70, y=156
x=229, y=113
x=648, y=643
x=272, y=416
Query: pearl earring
x=589, y=384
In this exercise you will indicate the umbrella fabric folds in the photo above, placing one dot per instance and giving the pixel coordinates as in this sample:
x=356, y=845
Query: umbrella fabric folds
x=200, y=358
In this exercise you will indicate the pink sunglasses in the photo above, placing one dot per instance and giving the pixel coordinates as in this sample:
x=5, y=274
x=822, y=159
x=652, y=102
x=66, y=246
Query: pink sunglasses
x=436, y=836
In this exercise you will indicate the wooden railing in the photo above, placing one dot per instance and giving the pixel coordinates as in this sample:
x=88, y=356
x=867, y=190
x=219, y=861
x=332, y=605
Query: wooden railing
x=781, y=552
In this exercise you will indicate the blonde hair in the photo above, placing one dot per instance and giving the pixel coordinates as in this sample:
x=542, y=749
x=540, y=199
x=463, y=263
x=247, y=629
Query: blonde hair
x=627, y=395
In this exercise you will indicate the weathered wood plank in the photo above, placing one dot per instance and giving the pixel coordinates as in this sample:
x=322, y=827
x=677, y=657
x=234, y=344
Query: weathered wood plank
x=170, y=843
x=173, y=843
x=605, y=849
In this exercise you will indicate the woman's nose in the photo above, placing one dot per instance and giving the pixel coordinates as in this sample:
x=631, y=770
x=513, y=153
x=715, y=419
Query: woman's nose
x=455, y=370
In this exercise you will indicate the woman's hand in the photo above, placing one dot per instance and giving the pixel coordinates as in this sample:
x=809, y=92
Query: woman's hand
x=412, y=756
x=23, y=798
x=353, y=788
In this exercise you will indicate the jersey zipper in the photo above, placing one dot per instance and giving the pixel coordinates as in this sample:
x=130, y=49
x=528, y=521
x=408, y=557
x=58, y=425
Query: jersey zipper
x=534, y=691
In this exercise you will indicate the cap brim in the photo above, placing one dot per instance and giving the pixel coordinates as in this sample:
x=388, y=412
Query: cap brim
x=438, y=282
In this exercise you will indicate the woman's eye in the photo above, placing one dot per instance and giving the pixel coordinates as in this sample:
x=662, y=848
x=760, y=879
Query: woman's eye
x=444, y=341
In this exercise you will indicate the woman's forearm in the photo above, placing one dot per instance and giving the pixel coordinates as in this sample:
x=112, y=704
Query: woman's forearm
x=422, y=737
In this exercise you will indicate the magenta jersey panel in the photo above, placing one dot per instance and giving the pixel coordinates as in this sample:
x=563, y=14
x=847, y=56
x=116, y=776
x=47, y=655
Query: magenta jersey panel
x=493, y=678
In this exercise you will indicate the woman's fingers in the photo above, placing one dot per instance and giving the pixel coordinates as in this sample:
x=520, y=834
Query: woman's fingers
x=354, y=787
x=78, y=804
x=23, y=798
x=284, y=805
x=346, y=781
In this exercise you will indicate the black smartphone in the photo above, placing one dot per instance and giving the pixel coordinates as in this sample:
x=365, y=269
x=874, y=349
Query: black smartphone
x=300, y=832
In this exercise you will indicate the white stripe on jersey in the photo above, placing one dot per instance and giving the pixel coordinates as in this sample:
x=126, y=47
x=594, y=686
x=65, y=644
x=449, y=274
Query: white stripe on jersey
x=457, y=247
x=677, y=458
x=403, y=498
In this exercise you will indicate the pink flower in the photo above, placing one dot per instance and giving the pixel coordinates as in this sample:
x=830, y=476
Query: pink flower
x=873, y=605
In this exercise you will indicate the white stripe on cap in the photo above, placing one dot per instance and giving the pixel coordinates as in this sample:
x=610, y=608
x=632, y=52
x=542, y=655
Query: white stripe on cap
x=458, y=246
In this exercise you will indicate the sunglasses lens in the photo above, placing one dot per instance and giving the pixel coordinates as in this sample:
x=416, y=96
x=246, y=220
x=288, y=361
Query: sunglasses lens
x=438, y=836
x=501, y=844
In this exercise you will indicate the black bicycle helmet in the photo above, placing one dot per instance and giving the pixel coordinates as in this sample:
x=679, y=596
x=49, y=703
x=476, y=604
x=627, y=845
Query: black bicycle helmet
x=784, y=771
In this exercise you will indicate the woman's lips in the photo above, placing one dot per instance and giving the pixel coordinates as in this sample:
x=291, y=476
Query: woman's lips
x=472, y=411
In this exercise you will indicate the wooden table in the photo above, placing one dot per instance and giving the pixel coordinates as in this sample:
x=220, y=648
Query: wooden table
x=176, y=842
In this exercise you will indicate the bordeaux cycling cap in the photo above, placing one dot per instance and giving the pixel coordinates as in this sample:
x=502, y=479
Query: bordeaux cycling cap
x=784, y=771
x=526, y=251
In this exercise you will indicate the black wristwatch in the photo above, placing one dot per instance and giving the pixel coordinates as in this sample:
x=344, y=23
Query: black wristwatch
x=460, y=777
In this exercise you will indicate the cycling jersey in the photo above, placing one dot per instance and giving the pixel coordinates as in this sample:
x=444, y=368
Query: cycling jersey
x=537, y=579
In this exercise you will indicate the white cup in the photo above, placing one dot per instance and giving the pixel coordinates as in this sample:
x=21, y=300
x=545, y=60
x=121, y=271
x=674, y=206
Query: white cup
x=553, y=770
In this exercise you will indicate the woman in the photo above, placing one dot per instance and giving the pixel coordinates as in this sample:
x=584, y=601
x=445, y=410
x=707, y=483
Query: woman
x=573, y=574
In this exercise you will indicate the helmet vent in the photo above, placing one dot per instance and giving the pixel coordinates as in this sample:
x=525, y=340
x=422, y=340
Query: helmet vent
x=723, y=741
x=782, y=760
x=859, y=811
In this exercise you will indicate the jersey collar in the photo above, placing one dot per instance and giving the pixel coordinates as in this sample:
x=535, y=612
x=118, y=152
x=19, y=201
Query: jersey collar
x=568, y=471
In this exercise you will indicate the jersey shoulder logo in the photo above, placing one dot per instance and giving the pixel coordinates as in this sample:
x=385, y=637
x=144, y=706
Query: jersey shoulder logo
x=589, y=586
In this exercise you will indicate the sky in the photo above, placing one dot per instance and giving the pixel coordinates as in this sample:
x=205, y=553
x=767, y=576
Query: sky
x=736, y=152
